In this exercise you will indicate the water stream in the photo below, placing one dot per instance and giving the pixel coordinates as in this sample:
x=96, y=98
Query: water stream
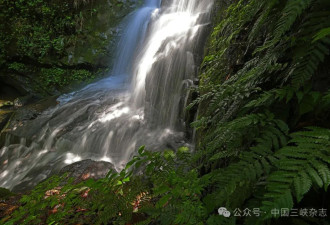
x=140, y=103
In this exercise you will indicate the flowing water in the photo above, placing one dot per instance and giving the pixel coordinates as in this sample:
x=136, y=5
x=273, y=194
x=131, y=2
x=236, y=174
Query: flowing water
x=140, y=103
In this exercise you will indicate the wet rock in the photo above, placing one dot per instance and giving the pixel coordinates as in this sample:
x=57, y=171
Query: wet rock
x=25, y=114
x=25, y=100
x=20, y=122
x=10, y=87
x=166, y=3
x=86, y=169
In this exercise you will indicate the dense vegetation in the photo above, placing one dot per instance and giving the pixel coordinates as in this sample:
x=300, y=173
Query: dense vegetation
x=47, y=46
x=263, y=133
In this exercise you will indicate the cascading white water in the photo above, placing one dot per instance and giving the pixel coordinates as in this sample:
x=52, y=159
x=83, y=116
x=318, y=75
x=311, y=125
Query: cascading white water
x=139, y=104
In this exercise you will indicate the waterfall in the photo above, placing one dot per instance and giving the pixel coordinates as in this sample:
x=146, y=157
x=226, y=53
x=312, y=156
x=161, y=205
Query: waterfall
x=167, y=60
x=140, y=103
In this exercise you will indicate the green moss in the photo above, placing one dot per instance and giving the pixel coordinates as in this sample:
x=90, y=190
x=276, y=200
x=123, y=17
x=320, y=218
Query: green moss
x=5, y=193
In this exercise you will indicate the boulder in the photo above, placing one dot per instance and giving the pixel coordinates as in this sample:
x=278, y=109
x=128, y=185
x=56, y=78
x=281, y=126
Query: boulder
x=86, y=169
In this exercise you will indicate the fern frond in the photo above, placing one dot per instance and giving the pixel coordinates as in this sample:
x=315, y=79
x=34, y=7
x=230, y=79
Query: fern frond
x=298, y=168
x=292, y=10
x=306, y=65
x=268, y=7
x=252, y=165
x=269, y=97
x=322, y=34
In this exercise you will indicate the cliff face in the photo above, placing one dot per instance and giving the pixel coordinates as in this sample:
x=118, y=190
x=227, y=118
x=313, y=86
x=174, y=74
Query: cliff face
x=48, y=47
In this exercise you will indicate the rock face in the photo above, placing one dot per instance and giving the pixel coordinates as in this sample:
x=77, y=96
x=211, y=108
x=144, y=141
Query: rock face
x=14, y=114
x=86, y=169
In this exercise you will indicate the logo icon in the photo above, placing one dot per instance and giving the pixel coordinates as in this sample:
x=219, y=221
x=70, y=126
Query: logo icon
x=223, y=212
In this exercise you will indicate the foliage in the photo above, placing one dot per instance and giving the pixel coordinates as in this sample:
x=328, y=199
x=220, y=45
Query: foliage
x=169, y=192
x=263, y=132
x=44, y=43
x=298, y=168
x=58, y=200
x=61, y=77
x=264, y=121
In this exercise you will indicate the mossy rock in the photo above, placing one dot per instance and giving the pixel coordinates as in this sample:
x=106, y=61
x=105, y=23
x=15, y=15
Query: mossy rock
x=5, y=193
x=6, y=103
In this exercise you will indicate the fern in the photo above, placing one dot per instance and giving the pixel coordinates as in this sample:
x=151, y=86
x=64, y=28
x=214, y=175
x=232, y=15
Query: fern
x=252, y=166
x=292, y=10
x=276, y=74
x=298, y=168
x=307, y=60
x=306, y=65
x=269, y=97
x=267, y=8
x=322, y=34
